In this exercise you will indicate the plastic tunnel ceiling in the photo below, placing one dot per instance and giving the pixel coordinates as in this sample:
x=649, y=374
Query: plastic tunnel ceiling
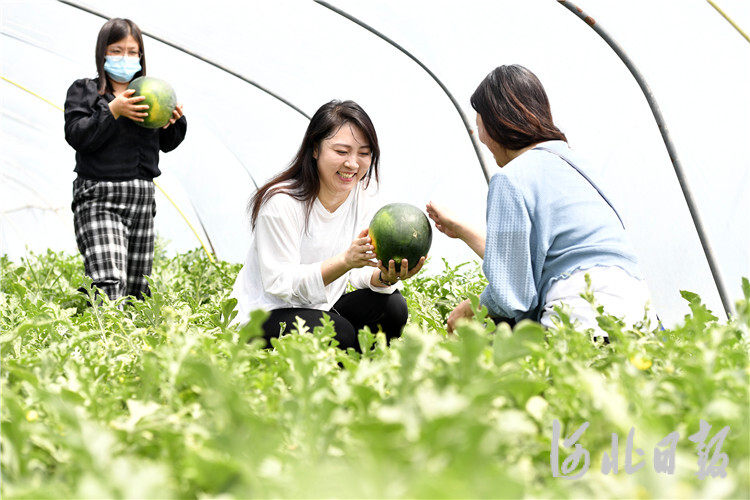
x=695, y=62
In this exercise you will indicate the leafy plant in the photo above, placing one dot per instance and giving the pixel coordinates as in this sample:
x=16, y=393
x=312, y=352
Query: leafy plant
x=166, y=397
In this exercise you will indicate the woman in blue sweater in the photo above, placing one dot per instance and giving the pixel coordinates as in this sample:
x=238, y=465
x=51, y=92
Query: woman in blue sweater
x=548, y=225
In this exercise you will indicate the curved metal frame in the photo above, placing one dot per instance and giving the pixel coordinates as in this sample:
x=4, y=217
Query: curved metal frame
x=196, y=55
x=580, y=14
x=667, y=142
x=411, y=56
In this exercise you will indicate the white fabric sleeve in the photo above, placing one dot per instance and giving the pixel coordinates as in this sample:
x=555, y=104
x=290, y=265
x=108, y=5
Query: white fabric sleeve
x=277, y=234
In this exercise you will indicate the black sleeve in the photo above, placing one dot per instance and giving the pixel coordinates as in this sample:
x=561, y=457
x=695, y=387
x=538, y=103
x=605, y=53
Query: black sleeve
x=88, y=120
x=172, y=136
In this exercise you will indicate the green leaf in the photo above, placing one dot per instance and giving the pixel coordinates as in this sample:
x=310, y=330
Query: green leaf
x=253, y=328
x=510, y=345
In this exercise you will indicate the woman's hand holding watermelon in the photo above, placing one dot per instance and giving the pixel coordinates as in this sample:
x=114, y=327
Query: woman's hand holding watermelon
x=392, y=275
x=124, y=105
x=360, y=252
x=176, y=115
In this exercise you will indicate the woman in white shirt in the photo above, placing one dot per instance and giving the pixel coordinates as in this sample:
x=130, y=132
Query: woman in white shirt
x=310, y=236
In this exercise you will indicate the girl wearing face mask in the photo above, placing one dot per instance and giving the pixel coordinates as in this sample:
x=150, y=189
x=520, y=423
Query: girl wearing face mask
x=310, y=237
x=116, y=161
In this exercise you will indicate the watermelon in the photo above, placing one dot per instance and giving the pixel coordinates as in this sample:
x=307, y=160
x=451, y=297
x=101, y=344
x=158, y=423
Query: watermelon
x=160, y=98
x=400, y=231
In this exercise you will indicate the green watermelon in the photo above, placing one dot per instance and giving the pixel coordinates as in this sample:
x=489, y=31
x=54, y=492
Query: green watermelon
x=400, y=231
x=160, y=98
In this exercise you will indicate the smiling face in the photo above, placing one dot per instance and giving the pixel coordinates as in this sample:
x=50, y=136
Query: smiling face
x=342, y=160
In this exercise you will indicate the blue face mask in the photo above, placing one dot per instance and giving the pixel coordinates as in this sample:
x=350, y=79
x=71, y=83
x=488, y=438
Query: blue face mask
x=122, y=69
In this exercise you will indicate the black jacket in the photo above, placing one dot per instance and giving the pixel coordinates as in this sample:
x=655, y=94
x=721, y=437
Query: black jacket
x=109, y=149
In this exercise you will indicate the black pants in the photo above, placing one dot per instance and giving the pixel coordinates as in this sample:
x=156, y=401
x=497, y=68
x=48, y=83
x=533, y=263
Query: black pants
x=498, y=320
x=352, y=312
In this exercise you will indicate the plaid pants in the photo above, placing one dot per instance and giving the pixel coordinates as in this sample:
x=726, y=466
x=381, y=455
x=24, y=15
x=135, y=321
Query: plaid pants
x=114, y=224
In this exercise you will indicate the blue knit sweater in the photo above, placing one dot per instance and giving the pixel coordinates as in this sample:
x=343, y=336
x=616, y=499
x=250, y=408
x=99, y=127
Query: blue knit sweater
x=544, y=221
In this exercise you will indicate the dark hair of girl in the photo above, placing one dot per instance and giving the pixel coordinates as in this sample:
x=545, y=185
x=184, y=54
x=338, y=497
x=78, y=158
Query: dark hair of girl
x=514, y=108
x=113, y=31
x=301, y=180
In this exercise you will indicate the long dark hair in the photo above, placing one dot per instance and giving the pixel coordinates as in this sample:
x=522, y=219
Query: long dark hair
x=301, y=179
x=113, y=31
x=514, y=108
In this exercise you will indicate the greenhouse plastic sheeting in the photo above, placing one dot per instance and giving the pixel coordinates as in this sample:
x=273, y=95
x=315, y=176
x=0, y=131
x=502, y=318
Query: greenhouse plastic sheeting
x=239, y=136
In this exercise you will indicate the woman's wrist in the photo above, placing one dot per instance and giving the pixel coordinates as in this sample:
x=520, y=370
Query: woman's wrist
x=345, y=263
x=474, y=240
x=465, y=232
x=383, y=281
x=112, y=110
x=334, y=267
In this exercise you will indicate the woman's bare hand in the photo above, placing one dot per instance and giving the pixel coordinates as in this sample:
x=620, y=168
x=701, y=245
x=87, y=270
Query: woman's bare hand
x=391, y=275
x=127, y=106
x=462, y=310
x=360, y=252
x=176, y=115
x=444, y=220
x=447, y=224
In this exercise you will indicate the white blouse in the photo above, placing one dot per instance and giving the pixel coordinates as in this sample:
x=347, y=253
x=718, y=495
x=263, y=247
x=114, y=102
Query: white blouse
x=283, y=264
